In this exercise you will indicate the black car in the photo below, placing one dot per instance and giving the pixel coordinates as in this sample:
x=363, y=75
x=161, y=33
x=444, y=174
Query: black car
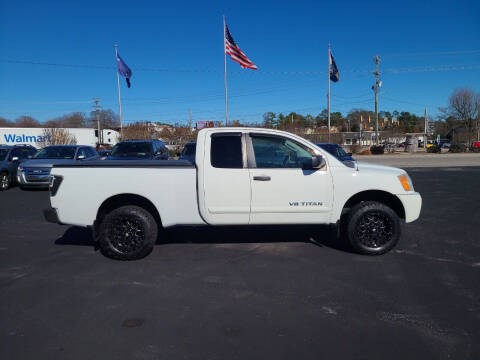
x=10, y=158
x=337, y=151
x=139, y=149
x=188, y=152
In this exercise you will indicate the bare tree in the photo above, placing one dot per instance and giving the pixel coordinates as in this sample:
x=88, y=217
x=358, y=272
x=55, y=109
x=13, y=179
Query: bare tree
x=57, y=136
x=27, y=121
x=5, y=122
x=72, y=120
x=139, y=131
x=464, y=105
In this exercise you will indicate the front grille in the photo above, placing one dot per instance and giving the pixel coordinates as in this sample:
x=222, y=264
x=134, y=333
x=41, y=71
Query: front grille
x=37, y=171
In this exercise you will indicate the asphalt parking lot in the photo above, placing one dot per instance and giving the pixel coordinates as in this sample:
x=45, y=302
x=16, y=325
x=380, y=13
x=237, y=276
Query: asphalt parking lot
x=256, y=293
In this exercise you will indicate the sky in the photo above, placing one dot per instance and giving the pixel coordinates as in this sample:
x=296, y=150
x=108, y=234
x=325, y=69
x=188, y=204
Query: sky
x=55, y=56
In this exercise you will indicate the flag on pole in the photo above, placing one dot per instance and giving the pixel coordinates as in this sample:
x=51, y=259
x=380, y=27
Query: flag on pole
x=124, y=70
x=235, y=53
x=334, y=74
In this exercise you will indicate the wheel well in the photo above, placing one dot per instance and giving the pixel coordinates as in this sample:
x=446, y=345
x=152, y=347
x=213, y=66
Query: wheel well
x=117, y=201
x=383, y=197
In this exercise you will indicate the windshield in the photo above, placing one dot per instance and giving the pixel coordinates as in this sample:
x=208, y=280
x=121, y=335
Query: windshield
x=3, y=154
x=56, y=152
x=133, y=149
x=189, y=149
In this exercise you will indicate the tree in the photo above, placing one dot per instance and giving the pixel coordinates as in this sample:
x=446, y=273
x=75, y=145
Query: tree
x=269, y=120
x=139, y=131
x=73, y=120
x=5, y=122
x=55, y=136
x=27, y=121
x=464, y=106
x=108, y=119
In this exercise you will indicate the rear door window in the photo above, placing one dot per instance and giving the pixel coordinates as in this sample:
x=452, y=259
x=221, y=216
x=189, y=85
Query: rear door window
x=226, y=151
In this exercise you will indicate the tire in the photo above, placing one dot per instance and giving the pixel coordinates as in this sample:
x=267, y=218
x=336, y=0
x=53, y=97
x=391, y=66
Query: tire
x=127, y=233
x=4, y=181
x=373, y=228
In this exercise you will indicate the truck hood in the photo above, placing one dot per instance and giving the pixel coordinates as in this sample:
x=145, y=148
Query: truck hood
x=376, y=168
x=45, y=162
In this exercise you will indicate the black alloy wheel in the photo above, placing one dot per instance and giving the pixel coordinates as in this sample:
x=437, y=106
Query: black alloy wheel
x=128, y=233
x=373, y=228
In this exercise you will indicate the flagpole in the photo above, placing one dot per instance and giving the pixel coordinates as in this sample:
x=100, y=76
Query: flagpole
x=225, y=70
x=328, y=96
x=119, y=96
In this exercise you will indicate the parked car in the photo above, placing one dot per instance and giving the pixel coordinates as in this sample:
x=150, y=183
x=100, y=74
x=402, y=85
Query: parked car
x=337, y=151
x=244, y=176
x=139, y=149
x=476, y=144
x=36, y=172
x=11, y=156
x=188, y=152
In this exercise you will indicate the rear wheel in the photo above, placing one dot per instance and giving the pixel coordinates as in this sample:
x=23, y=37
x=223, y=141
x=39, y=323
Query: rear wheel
x=373, y=228
x=127, y=233
x=4, y=181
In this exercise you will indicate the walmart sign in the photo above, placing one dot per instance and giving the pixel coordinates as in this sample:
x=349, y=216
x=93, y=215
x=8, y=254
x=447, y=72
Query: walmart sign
x=22, y=138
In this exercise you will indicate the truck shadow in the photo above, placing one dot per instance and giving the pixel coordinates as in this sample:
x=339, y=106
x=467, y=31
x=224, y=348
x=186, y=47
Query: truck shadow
x=317, y=235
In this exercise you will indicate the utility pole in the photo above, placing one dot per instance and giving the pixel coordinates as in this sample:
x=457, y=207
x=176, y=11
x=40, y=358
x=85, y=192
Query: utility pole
x=378, y=84
x=97, y=116
x=189, y=119
x=426, y=129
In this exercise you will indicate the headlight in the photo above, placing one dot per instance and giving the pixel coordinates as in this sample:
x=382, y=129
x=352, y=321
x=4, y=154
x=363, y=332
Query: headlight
x=406, y=182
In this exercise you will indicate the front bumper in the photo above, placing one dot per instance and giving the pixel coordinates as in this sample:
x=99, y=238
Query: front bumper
x=412, y=203
x=51, y=215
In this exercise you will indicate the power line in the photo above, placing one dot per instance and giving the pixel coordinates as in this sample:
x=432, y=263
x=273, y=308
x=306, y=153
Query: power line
x=354, y=71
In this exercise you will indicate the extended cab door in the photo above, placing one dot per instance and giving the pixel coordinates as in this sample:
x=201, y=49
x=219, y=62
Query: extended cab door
x=224, y=181
x=283, y=193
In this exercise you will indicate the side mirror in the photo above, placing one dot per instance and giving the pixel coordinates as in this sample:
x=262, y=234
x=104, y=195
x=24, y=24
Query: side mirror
x=350, y=154
x=15, y=158
x=316, y=162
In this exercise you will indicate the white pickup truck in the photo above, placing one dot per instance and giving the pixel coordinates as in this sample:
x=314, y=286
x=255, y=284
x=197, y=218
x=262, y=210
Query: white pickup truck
x=241, y=176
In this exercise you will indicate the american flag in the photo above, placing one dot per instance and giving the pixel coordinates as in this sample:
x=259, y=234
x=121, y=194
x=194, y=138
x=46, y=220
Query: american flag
x=235, y=53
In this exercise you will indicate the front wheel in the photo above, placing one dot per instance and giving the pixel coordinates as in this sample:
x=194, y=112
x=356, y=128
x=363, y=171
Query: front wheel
x=4, y=181
x=127, y=233
x=373, y=228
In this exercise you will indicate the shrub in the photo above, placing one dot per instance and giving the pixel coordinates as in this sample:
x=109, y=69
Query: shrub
x=434, y=149
x=377, y=150
x=458, y=148
x=475, y=149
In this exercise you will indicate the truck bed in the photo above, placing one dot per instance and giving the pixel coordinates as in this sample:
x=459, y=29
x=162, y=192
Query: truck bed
x=170, y=185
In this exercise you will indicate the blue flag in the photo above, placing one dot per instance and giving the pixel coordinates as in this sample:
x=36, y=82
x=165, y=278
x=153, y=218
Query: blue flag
x=334, y=74
x=124, y=70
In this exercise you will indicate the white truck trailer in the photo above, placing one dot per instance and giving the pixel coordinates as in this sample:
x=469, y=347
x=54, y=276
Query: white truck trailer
x=240, y=176
x=38, y=137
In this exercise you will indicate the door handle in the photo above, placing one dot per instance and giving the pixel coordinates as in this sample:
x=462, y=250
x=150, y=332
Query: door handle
x=261, y=178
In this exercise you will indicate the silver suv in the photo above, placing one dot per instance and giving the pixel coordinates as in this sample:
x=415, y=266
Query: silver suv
x=36, y=172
